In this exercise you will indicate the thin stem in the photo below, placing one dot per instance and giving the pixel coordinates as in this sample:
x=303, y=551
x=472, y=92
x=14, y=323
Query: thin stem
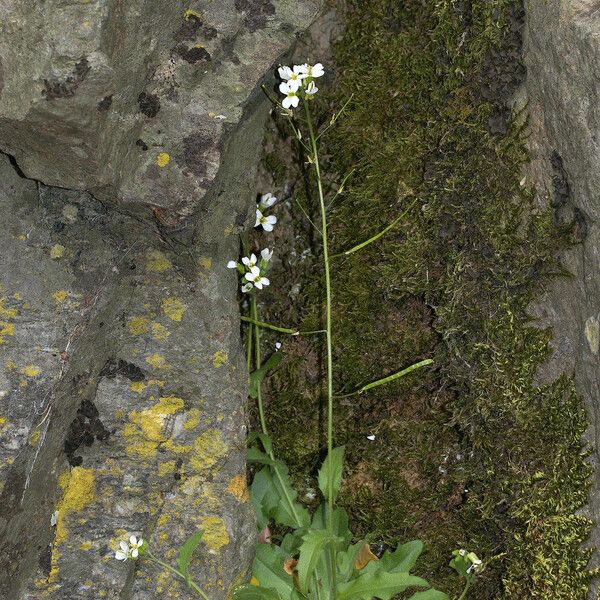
x=280, y=329
x=306, y=215
x=464, y=593
x=249, y=347
x=261, y=410
x=375, y=237
x=189, y=582
x=315, y=161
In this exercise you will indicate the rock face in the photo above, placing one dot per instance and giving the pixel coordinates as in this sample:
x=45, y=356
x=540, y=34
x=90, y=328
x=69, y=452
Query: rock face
x=562, y=56
x=133, y=130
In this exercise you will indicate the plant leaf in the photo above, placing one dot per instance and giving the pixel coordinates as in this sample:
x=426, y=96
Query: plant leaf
x=185, y=554
x=346, y=560
x=268, y=569
x=311, y=550
x=403, y=559
x=380, y=585
x=254, y=455
x=429, y=595
x=331, y=471
x=364, y=557
x=263, y=496
x=256, y=377
x=341, y=530
x=255, y=592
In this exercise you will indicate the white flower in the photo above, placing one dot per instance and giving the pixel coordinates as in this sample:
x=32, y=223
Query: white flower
x=277, y=346
x=247, y=287
x=250, y=261
x=266, y=254
x=130, y=550
x=266, y=222
x=232, y=264
x=293, y=77
x=312, y=89
x=371, y=437
x=316, y=70
x=266, y=201
x=291, y=98
x=256, y=278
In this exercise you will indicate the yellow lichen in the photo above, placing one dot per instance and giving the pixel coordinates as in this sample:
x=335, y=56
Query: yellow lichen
x=6, y=329
x=57, y=251
x=137, y=325
x=237, y=486
x=205, y=262
x=166, y=468
x=160, y=332
x=157, y=262
x=60, y=296
x=138, y=386
x=189, y=13
x=34, y=438
x=215, y=533
x=2, y=421
x=31, y=371
x=85, y=546
x=6, y=315
x=208, y=449
x=193, y=418
x=228, y=230
x=173, y=308
x=163, y=159
x=254, y=581
x=220, y=358
x=171, y=446
x=157, y=361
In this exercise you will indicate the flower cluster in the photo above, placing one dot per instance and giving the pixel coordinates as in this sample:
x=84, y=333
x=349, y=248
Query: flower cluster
x=253, y=270
x=298, y=82
x=465, y=563
x=267, y=222
x=130, y=549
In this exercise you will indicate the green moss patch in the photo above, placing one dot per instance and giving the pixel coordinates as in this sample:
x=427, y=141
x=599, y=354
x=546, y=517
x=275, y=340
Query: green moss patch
x=471, y=453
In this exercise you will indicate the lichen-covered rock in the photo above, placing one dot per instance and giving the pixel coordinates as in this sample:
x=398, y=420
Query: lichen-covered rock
x=137, y=98
x=122, y=385
x=562, y=56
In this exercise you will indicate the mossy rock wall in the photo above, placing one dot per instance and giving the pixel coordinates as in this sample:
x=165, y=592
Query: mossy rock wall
x=485, y=450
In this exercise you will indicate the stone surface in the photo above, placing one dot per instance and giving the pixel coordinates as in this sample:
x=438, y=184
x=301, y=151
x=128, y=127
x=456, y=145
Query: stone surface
x=135, y=98
x=134, y=132
x=562, y=56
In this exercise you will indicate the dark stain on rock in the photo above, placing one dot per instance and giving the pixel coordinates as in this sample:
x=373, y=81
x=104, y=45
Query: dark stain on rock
x=85, y=428
x=54, y=88
x=105, y=103
x=256, y=12
x=561, y=191
x=580, y=224
x=141, y=144
x=121, y=367
x=195, y=149
x=45, y=560
x=188, y=30
x=1, y=77
x=149, y=104
x=192, y=55
x=228, y=51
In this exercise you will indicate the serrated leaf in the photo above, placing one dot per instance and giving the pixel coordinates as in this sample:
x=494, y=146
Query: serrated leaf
x=331, y=471
x=256, y=377
x=268, y=569
x=403, y=559
x=263, y=496
x=378, y=585
x=429, y=595
x=255, y=592
x=185, y=553
x=311, y=550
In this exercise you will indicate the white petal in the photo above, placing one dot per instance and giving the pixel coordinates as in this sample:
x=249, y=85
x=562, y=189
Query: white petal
x=124, y=546
x=267, y=226
x=120, y=555
x=284, y=72
x=258, y=284
x=255, y=272
x=277, y=345
x=258, y=213
x=264, y=281
x=266, y=255
x=294, y=101
x=134, y=553
x=301, y=69
x=293, y=85
x=232, y=264
x=287, y=103
x=371, y=437
x=284, y=87
x=247, y=287
x=272, y=219
x=140, y=543
x=133, y=540
x=269, y=202
x=253, y=258
x=317, y=70
x=246, y=260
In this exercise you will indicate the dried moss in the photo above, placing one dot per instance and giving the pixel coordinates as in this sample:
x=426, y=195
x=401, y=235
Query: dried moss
x=472, y=453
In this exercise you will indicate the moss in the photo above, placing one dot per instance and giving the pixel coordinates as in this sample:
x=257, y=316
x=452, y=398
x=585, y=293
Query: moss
x=471, y=453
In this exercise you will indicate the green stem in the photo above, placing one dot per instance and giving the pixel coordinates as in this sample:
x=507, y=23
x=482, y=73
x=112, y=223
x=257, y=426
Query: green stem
x=315, y=161
x=375, y=237
x=281, y=329
x=261, y=410
x=464, y=593
x=189, y=582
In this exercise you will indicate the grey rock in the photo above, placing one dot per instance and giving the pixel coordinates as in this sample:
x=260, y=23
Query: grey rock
x=135, y=130
x=562, y=56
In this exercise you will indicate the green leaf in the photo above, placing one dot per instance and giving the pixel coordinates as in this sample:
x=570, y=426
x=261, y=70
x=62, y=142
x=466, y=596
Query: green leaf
x=185, y=554
x=256, y=377
x=268, y=569
x=403, y=559
x=331, y=471
x=263, y=438
x=341, y=530
x=263, y=496
x=429, y=595
x=380, y=585
x=346, y=560
x=254, y=592
x=311, y=550
x=254, y=455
